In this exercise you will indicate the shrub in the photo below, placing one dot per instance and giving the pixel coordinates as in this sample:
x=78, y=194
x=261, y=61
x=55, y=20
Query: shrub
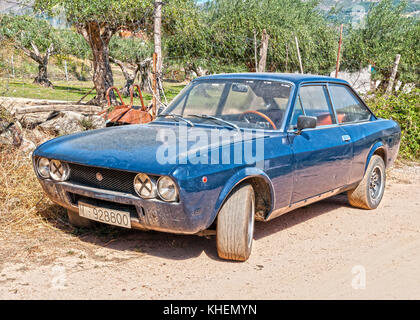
x=405, y=109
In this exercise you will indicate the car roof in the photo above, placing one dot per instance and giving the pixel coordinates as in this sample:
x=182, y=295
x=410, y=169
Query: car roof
x=295, y=78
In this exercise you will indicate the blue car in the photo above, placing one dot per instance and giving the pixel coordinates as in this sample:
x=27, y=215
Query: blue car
x=228, y=150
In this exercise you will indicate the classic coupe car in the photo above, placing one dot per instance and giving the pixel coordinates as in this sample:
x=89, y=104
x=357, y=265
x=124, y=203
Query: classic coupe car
x=311, y=137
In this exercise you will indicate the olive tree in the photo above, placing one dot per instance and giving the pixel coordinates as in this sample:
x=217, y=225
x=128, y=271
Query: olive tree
x=35, y=37
x=97, y=21
x=384, y=33
x=220, y=35
x=133, y=56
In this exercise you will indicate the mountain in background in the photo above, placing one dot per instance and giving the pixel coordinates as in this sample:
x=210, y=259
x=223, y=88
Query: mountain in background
x=348, y=11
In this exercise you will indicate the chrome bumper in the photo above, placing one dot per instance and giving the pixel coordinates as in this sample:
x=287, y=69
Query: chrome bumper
x=149, y=214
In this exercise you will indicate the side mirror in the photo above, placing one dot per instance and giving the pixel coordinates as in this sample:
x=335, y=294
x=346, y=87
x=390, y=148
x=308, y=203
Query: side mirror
x=305, y=122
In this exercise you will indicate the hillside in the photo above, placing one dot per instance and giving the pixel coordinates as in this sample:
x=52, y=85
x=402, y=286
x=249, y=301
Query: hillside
x=347, y=10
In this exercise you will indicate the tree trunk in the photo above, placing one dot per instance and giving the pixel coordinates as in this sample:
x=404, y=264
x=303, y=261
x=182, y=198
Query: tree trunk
x=394, y=71
x=157, y=35
x=98, y=37
x=263, y=51
x=42, y=77
x=146, y=76
x=34, y=54
x=157, y=17
x=129, y=76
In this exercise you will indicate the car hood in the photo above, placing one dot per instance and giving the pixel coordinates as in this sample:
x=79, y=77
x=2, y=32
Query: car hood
x=131, y=148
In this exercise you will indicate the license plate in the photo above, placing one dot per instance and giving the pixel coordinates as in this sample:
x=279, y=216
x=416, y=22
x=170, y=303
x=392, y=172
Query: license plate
x=106, y=215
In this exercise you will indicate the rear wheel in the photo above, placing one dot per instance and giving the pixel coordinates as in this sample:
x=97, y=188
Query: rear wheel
x=369, y=192
x=78, y=221
x=235, y=224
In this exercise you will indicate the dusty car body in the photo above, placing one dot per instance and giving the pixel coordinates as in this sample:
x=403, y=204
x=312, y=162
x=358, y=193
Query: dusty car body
x=318, y=136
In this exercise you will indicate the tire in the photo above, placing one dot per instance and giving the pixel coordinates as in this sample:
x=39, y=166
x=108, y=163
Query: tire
x=235, y=224
x=368, y=194
x=78, y=221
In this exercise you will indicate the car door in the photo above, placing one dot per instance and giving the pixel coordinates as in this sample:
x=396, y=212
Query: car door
x=353, y=117
x=322, y=155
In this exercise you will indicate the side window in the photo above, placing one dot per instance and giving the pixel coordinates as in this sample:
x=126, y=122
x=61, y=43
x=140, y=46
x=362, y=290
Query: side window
x=347, y=106
x=315, y=103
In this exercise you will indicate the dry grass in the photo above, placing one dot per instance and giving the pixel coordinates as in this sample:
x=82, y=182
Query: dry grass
x=32, y=227
x=24, y=205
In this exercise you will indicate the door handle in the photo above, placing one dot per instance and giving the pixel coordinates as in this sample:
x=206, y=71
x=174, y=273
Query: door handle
x=346, y=138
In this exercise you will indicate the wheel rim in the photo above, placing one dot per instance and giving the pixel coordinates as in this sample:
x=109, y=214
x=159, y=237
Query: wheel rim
x=251, y=225
x=375, y=183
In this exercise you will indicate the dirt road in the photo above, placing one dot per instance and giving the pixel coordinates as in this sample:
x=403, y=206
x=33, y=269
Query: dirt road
x=326, y=250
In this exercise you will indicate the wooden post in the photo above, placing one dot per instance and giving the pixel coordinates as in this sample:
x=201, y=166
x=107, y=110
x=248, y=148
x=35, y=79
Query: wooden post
x=263, y=51
x=393, y=74
x=255, y=51
x=337, y=65
x=154, y=86
x=298, y=52
x=65, y=70
x=13, y=67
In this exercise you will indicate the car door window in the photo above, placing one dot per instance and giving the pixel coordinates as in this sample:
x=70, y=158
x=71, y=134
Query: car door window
x=347, y=106
x=314, y=101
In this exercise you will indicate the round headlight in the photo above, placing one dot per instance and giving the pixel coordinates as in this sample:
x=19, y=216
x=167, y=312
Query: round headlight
x=145, y=186
x=167, y=189
x=43, y=167
x=59, y=171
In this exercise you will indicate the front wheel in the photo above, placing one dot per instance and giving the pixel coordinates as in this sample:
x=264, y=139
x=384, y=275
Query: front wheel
x=370, y=190
x=235, y=224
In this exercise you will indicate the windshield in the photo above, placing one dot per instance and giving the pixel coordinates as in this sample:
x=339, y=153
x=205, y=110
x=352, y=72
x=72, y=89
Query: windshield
x=257, y=104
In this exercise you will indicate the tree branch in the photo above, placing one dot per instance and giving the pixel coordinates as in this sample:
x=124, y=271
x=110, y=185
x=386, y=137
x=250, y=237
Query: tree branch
x=29, y=53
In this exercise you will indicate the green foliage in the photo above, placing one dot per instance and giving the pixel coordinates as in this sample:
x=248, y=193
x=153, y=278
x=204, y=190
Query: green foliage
x=405, y=109
x=222, y=34
x=385, y=33
x=72, y=43
x=130, y=50
x=25, y=30
x=113, y=13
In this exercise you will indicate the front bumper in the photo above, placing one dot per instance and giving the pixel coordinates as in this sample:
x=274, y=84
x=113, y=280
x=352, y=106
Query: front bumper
x=145, y=214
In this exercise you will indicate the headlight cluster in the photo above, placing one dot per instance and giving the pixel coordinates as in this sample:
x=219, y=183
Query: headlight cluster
x=149, y=187
x=54, y=169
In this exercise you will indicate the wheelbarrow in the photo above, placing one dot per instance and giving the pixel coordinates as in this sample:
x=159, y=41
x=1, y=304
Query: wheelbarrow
x=126, y=114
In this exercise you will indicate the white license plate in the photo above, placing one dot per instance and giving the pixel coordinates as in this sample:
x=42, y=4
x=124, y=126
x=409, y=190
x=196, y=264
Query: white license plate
x=110, y=216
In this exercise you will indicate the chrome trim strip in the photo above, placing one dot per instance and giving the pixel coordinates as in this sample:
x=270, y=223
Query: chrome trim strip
x=278, y=212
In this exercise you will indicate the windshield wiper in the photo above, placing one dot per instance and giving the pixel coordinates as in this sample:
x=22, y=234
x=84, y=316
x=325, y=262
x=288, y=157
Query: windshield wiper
x=205, y=116
x=177, y=117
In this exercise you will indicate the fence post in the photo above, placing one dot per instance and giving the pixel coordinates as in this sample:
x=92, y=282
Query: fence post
x=393, y=74
x=298, y=52
x=255, y=51
x=65, y=70
x=337, y=65
x=13, y=67
x=154, y=87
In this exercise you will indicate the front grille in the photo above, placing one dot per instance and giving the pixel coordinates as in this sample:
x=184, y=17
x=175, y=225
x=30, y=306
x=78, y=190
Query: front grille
x=114, y=180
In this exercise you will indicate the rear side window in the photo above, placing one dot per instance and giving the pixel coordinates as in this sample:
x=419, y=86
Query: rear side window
x=315, y=103
x=347, y=106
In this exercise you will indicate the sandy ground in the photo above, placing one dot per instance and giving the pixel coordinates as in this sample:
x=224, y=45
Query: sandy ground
x=327, y=250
